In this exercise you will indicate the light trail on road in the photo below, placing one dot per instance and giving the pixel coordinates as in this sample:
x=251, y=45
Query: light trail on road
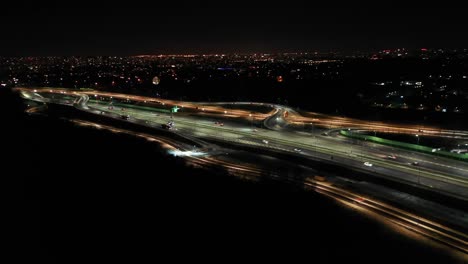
x=231, y=134
x=322, y=120
x=334, y=149
x=423, y=226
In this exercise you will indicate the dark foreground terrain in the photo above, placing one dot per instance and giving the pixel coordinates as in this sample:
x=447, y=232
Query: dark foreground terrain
x=91, y=196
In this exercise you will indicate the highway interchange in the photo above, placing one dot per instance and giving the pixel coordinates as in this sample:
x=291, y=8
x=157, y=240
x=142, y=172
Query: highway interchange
x=216, y=129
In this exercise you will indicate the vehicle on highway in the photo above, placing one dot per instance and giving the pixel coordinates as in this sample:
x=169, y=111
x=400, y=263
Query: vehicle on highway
x=168, y=125
x=415, y=163
x=265, y=141
x=458, y=151
x=297, y=150
x=125, y=117
x=368, y=164
x=391, y=157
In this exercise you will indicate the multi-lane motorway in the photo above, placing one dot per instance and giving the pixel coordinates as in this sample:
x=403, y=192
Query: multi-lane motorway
x=281, y=129
x=198, y=121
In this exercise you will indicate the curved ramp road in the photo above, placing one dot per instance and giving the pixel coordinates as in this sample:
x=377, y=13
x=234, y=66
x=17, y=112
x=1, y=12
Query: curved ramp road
x=195, y=120
x=284, y=130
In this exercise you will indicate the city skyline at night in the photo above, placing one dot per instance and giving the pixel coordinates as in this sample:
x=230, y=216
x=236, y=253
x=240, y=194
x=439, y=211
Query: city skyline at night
x=206, y=131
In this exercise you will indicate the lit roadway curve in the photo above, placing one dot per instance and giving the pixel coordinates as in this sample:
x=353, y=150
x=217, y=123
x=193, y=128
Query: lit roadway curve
x=433, y=173
x=408, y=220
x=196, y=123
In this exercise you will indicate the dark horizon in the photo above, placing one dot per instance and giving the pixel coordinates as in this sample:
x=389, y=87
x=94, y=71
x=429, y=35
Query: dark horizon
x=228, y=53
x=52, y=28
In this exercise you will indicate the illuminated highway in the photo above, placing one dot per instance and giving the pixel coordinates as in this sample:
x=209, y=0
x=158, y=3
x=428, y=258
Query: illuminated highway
x=278, y=128
x=196, y=120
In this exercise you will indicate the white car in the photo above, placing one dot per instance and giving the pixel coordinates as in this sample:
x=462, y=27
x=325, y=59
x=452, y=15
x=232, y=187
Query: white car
x=265, y=141
x=297, y=150
x=368, y=164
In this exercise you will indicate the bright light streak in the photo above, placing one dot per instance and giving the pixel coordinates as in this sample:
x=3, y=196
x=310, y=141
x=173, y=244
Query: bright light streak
x=188, y=153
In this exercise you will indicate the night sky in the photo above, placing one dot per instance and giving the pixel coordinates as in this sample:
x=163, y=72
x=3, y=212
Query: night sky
x=31, y=28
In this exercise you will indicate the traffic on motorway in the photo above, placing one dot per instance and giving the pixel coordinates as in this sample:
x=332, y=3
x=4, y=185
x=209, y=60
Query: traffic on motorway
x=281, y=130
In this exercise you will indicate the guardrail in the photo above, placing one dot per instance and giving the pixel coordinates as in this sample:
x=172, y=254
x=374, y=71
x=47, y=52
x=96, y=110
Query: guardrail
x=408, y=146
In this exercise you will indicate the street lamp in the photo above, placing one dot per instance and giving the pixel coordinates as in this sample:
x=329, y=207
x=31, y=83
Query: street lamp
x=417, y=136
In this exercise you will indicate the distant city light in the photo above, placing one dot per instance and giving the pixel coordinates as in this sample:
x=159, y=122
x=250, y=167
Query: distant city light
x=156, y=80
